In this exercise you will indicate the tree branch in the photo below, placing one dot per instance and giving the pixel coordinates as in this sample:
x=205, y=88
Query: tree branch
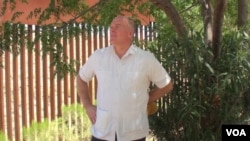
x=217, y=26
x=173, y=14
x=206, y=10
x=92, y=8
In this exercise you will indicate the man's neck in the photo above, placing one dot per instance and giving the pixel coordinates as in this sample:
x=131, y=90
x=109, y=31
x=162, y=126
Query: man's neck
x=121, y=50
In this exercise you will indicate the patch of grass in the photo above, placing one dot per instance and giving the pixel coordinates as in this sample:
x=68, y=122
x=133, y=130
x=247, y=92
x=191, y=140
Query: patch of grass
x=3, y=137
x=73, y=125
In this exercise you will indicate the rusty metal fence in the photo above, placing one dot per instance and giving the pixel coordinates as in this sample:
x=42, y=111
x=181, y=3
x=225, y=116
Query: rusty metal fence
x=28, y=91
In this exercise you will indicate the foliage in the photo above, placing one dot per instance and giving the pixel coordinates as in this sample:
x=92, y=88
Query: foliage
x=14, y=37
x=73, y=125
x=3, y=137
x=190, y=11
x=207, y=93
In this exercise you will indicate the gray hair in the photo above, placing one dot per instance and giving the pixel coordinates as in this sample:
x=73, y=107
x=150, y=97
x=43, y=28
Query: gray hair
x=131, y=23
x=130, y=20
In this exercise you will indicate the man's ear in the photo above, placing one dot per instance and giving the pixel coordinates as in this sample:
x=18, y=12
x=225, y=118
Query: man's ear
x=131, y=34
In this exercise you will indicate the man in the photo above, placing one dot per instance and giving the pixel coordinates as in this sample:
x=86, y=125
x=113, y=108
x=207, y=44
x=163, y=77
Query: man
x=124, y=73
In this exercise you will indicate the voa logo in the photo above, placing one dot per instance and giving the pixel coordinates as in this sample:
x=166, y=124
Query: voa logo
x=236, y=132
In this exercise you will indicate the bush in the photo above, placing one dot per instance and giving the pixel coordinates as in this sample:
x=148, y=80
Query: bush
x=3, y=137
x=73, y=125
x=207, y=93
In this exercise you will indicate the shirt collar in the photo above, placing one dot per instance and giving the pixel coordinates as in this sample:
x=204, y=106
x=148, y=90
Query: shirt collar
x=130, y=51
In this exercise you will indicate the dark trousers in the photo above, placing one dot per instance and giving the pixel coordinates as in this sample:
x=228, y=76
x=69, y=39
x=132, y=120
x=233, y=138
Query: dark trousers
x=96, y=139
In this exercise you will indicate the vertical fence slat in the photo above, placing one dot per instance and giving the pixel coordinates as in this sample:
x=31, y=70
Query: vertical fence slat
x=38, y=78
x=78, y=53
x=101, y=45
x=95, y=48
x=142, y=37
x=8, y=95
x=16, y=97
x=84, y=47
x=16, y=87
x=2, y=107
x=45, y=87
x=83, y=50
x=59, y=97
x=66, y=83
x=137, y=37
x=106, y=36
x=52, y=92
x=52, y=95
x=77, y=48
x=31, y=79
x=95, y=38
x=146, y=35
x=72, y=80
x=24, y=95
x=59, y=94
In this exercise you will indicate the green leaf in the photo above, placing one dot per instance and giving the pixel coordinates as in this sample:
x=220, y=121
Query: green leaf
x=209, y=67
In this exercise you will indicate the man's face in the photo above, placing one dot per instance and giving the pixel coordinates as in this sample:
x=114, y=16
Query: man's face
x=120, y=33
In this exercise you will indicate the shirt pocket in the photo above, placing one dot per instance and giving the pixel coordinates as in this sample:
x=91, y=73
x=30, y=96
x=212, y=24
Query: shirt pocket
x=102, y=120
x=136, y=80
x=104, y=80
x=134, y=122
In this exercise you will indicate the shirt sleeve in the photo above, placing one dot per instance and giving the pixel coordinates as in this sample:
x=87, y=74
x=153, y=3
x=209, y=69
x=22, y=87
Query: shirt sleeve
x=86, y=72
x=158, y=74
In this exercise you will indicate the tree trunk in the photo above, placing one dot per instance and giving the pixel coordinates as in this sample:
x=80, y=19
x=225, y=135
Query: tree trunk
x=173, y=14
x=217, y=26
x=242, y=13
x=207, y=12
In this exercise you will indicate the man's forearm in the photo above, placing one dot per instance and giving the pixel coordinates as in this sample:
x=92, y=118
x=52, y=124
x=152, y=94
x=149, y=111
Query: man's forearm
x=157, y=93
x=83, y=92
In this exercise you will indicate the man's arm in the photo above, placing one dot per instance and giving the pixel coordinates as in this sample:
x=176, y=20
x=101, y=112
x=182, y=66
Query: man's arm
x=157, y=93
x=83, y=92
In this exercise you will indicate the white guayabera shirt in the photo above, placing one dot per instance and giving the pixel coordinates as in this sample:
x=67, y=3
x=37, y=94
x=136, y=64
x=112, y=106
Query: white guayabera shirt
x=122, y=94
